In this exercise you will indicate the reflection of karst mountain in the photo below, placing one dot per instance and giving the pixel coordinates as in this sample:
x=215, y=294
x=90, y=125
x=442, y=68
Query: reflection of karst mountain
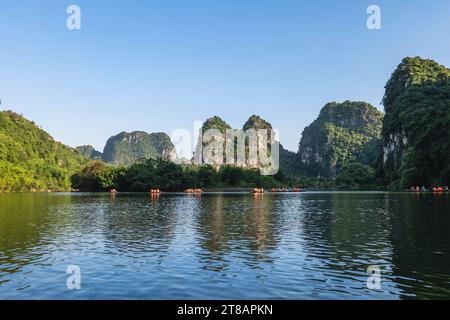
x=343, y=235
x=344, y=224
x=230, y=224
x=419, y=233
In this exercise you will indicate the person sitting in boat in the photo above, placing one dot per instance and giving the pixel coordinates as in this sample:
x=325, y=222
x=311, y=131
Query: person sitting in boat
x=412, y=189
x=445, y=189
x=423, y=189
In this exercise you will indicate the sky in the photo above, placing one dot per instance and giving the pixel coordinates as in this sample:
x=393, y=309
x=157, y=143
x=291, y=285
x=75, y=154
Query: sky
x=161, y=65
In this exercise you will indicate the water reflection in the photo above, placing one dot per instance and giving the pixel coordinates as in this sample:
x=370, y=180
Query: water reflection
x=139, y=224
x=344, y=234
x=310, y=245
x=29, y=225
x=236, y=227
x=421, y=244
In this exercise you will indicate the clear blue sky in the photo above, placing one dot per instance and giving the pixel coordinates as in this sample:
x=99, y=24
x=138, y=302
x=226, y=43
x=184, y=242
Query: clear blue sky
x=161, y=65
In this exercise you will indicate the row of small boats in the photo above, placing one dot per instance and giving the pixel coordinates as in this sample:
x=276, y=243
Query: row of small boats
x=195, y=191
x=286, y=190
x=276, y=190
x=434, y=189
x=199, y=191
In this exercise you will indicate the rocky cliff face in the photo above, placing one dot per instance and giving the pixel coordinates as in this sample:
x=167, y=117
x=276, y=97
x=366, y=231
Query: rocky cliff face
x=343, y=133
x=127, y=148
x=215, y=123
x=263, y=143
x=416, y=127
x=288, y=160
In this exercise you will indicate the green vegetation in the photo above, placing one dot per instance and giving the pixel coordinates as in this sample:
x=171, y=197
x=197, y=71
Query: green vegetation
x=290, y=163
x=215, y=123
x=168, y=176
x=97, y=176
x=352, y=176
x=30, y=160
x=416, y=128
x=356, y=176
x=343, y=133
x=257, y=123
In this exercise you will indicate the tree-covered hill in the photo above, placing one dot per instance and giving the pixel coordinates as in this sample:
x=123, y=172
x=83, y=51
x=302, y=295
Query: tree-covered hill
x=343, y=133
x=31, y=160
x=416, y=127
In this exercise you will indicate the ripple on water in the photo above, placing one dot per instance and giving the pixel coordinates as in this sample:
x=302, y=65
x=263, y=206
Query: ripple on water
x=305, y=246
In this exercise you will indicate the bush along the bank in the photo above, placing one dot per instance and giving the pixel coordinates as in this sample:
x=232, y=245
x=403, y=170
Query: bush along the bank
x=168, y=176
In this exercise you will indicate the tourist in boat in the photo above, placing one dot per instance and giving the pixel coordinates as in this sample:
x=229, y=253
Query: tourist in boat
x=423, y=189
x=445, y=189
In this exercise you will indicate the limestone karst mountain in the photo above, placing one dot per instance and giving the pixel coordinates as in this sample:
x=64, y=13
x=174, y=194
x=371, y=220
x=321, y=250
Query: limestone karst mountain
x=416, y=126
x=127, y=148
x=343, y=133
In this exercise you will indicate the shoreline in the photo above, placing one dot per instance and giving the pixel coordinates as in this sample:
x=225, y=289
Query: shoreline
x=224, y=191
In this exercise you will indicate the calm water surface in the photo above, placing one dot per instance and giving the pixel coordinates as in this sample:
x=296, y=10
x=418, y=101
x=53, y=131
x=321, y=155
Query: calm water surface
x=233, y=246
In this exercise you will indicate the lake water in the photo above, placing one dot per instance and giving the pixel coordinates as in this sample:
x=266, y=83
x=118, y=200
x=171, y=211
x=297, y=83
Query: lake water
x=225, y=246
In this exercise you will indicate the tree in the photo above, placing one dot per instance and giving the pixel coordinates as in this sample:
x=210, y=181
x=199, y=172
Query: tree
x=356, y=176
